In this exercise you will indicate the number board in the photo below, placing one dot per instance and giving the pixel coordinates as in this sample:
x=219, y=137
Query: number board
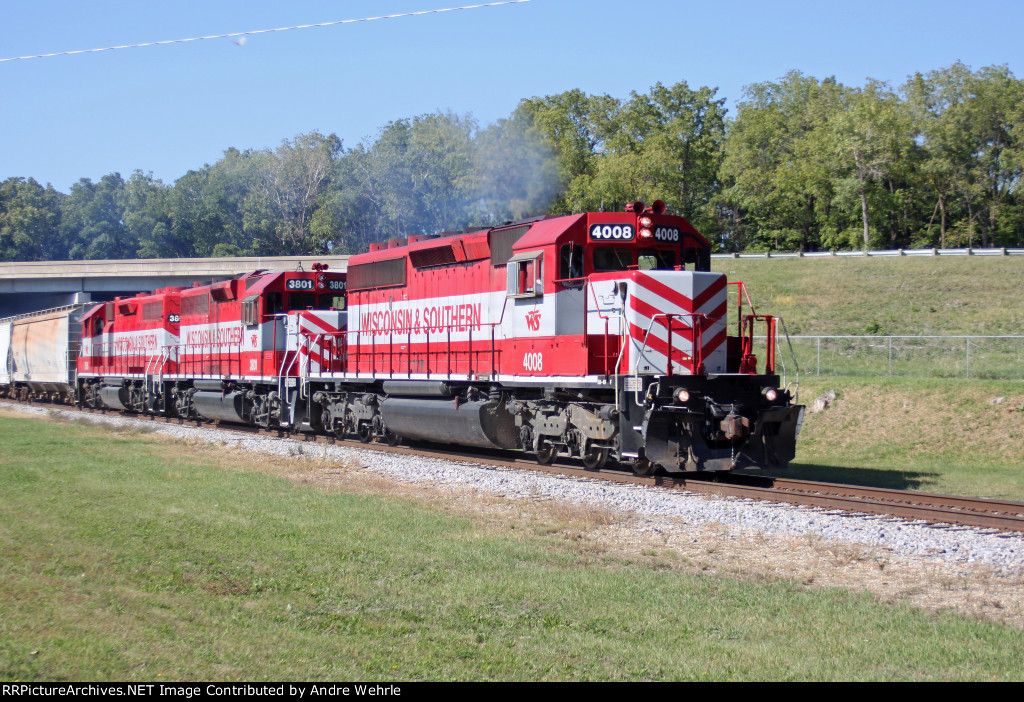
x=174, y=318
x=298, y=284
x=612, y=232
x=335, y=284
x=667, y=234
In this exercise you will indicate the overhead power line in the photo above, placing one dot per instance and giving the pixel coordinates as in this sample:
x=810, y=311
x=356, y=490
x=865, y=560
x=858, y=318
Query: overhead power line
x=264, y=31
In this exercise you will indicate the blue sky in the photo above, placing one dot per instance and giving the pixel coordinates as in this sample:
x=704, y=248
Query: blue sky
x=169, y=109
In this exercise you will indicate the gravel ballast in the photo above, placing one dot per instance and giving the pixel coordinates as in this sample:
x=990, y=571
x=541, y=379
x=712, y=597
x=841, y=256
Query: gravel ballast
x=1000, y=551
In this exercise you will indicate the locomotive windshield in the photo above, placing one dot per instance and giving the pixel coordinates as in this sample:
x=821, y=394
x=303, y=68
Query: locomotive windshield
x=306, y=301
x=331, y=301
x=655, y=259
x=611, y=258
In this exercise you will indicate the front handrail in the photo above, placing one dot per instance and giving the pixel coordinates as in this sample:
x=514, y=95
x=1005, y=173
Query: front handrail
x=696, y=345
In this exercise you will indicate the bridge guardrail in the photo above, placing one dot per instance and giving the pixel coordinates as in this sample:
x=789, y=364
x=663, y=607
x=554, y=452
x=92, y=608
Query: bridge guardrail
x=1003, y=251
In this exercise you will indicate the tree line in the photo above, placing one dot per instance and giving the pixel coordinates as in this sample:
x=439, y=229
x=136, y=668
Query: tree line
x=805, y=164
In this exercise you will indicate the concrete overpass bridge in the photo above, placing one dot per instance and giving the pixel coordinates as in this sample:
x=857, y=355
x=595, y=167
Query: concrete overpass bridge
x=38, y=285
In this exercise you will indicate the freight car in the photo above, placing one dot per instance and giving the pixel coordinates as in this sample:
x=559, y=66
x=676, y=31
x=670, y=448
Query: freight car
x=595, y=336
x=38, y=354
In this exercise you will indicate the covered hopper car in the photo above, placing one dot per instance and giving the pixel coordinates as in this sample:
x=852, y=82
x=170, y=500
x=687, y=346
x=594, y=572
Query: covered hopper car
x=38, y=354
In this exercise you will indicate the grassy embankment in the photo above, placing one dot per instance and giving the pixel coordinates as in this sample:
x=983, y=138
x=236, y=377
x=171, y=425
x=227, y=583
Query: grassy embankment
x=930, y=429
x=901, y=295
x=917, y=434
x=918, y=296
x=120, y=561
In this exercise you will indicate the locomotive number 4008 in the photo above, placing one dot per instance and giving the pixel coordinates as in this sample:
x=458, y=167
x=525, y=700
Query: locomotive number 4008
x=533, y=361
x=612, y=232
x=667, y=233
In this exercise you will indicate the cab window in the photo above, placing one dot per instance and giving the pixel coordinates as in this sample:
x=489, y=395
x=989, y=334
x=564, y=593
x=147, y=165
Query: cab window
x=610, y=258
x=301, y=301
x=656, y=259
x=570, y=262
x=274, y=303
x=331, y=301
x=699, y=256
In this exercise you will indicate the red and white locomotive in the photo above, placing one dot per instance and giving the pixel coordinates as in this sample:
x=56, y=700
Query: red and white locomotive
x=594, y=335
x=598, y=335
x=225, y=351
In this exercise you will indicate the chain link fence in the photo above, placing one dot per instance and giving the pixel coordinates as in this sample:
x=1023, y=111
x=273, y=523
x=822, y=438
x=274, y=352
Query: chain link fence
x=986, y=357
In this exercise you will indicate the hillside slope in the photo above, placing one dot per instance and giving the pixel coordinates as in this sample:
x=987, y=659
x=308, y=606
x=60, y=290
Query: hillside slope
x=915, y=296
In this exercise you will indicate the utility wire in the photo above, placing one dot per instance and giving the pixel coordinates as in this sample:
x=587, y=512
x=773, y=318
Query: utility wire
x=264, y=31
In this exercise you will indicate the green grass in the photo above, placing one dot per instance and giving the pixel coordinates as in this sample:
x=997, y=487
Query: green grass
x=915, y=296
x=936, y=435
x=873, y=357
x=123, y=557
x=927, y=426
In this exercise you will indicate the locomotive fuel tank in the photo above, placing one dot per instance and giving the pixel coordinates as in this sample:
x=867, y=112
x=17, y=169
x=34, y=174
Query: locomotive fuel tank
x=473, y=423
x=224, y=406
x=114, y=397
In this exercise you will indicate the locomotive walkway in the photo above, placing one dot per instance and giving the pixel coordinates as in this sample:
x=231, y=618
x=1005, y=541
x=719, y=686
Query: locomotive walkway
x=35, y=285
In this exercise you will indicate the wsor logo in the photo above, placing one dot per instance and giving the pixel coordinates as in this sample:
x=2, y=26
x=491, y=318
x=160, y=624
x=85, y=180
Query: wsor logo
x=533, y=320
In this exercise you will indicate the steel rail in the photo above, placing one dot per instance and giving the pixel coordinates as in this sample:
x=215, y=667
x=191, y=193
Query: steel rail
x=922, y=506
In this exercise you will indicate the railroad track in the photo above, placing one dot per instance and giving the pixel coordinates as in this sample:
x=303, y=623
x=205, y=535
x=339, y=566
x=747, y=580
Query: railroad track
x=924, y=506
x=927, y=507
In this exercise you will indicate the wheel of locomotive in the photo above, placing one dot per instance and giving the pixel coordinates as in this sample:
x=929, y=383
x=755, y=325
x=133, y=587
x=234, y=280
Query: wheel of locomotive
x=331, y=427
x=546, y=453
x=596, y=458
x=365, y=433
x=643, y=467
x=392, y=438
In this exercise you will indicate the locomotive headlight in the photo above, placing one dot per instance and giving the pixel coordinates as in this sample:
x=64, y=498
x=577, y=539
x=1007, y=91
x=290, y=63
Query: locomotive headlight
x=770, y=394
x=645, y=222
x=646, y=233
x=683, y=395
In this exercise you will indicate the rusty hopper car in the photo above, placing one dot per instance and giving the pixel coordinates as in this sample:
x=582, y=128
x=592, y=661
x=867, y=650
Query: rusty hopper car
x=39, y=353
